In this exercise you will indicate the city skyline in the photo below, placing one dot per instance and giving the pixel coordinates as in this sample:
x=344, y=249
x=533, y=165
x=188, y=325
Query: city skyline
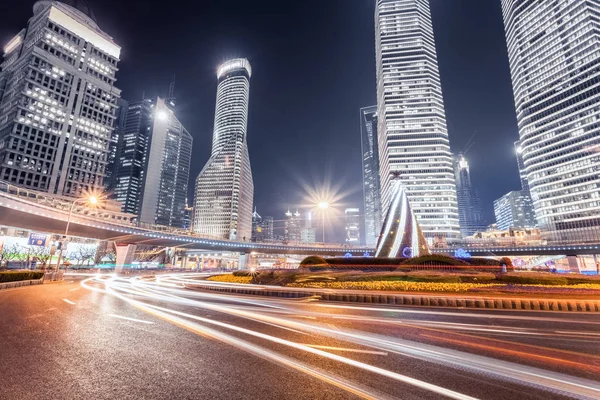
x=465, y=60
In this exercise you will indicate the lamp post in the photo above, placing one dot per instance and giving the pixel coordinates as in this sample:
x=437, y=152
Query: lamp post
x=323, y=206
x=92, y=200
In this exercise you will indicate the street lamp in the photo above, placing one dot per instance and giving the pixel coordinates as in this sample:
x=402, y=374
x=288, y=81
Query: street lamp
x=323, y=206
x=92, y=200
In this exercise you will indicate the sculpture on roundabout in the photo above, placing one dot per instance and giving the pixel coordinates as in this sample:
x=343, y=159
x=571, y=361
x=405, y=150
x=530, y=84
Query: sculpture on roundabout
x=400, y=235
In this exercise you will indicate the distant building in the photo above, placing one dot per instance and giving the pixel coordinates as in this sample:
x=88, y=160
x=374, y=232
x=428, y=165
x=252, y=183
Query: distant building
x=308, y=235
x=514, y=210
x=257, y=228
x=293, y=226
x=352, y=225
x=187, y=215
x=469, y=204
x=267, y=228
x=370, y=164
x=224, y=188
x=554, y=63
x=152, y=167
x=58, y=101
x=412, y=131
x=262, y=228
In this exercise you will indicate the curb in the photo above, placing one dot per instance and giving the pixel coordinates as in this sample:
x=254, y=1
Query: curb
x=497, y=303
x=10, y=285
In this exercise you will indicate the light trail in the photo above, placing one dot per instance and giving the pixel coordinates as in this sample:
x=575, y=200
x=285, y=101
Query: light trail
x=303, y=318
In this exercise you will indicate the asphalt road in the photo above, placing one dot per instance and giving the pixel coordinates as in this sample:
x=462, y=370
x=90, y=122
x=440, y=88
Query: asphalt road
x=109, y=338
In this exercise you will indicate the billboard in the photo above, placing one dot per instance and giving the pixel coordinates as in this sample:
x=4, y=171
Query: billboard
x=37, y=239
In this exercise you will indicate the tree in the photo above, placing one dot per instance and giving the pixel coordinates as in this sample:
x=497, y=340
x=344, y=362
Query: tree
x=42, y=254
x=83, y=253
x=9, y=253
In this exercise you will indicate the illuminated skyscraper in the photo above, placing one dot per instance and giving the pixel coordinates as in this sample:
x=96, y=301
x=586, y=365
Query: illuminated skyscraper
x=413, y=138
x=370, y=163
x=469, y=205
x=224, y=188
x=58, y=101
x=293, y=227
x=352, y=225
x=152, y=167
x=514, y=210
x=553, y=50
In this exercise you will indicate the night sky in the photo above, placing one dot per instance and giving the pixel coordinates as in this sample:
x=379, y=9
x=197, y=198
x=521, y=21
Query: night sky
x=314, y=68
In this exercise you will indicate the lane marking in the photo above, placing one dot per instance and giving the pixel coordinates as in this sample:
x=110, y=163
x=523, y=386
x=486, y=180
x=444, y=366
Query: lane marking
x=379, y=353
x=130, y=319
x=68, y=301
x=72, y=290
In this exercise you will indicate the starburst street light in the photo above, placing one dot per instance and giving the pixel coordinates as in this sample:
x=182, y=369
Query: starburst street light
x=323, y=206
x=92, y=200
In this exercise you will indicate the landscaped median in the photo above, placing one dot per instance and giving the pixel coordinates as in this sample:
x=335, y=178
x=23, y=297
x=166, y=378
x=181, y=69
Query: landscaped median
x=11, y=279
x=529, y=291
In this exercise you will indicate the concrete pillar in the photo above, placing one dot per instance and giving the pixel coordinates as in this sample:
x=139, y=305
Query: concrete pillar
x=125, y=253
x=184, y=261
x=596, y=263
x=573, y=264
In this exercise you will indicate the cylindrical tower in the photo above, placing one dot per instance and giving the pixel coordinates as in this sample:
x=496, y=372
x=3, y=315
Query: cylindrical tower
x=224, y=188
x=231, y=110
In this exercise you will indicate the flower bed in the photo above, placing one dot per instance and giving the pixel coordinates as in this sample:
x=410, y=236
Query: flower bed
x=230, y=279
x=399, y=286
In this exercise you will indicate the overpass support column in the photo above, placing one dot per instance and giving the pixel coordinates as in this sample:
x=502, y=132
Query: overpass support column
x=125, y=253
x=596, y=265
x=574, y=264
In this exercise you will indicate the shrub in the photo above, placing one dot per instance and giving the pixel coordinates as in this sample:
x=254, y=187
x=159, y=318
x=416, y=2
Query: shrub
x=313, y=260
x=13, y=276
x=533, y=279
x=241, y=273
x=434, y=259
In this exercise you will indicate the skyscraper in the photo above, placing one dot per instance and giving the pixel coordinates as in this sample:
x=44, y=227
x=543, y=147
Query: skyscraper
x=152, y=166
x=224, y=188
x=413, y=138
x=352, y=225
x=293, y=227
x=58, y=101
x=554, y=62
x=370, y=163
x=469, y=204
x=514, y=210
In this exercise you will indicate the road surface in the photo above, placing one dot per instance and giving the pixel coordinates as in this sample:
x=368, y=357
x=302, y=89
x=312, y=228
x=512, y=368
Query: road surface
x=137, y=338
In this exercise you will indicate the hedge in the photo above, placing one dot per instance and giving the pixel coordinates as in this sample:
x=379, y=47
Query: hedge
x=365, y=261
x=537, y=279
x=13, y=276
x=313, y=260
x=435, y=259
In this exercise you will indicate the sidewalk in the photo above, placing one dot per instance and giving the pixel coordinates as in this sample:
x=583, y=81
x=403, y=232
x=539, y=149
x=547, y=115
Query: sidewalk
x=486, y=301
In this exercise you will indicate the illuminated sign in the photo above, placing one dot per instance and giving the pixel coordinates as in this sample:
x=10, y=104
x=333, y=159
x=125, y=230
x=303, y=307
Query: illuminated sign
x=37, y=239
x=461, y=253
x=348, y=255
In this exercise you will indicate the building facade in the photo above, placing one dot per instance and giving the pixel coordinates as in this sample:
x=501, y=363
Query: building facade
x=412, y=132
x=293, y=227
x=152, y=167
x=352, y=228
x=514, y=210
x=224, y=188
x=469, y=204
x=58, y=101
x=370, y=164
x=554, y=56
